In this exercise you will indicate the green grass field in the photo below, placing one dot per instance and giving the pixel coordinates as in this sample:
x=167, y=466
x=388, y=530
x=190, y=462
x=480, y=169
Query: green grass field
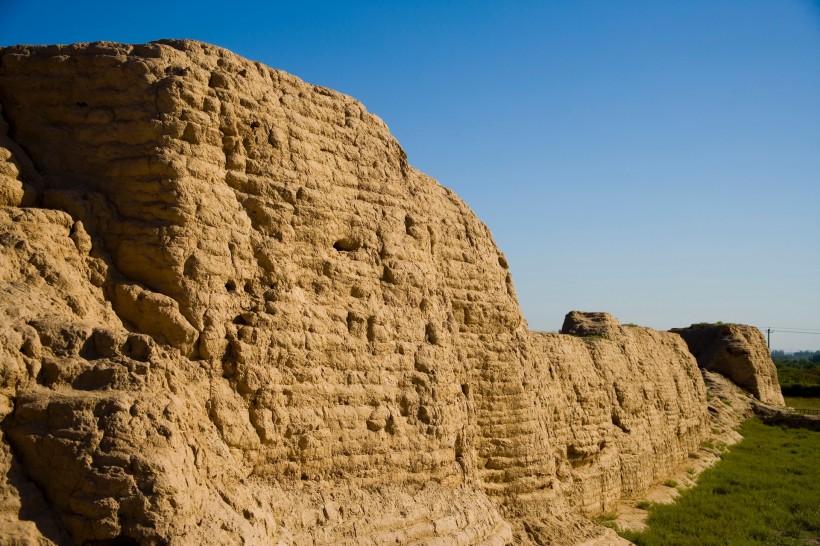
x=765, y=490
x=805, y=403
x=799, y=378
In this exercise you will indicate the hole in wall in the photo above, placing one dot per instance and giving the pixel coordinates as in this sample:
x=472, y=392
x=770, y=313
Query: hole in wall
x=431, y=334
x=240, y=320
x=346, y=244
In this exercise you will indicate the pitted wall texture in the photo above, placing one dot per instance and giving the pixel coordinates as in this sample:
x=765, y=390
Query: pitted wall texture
x=237, y=313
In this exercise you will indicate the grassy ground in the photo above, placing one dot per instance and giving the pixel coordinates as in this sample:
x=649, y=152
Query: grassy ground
x=765, y=490
x=805, y=403
x=799, y=378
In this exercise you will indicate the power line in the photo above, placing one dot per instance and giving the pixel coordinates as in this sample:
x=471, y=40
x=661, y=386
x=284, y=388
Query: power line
x=781, y=330
x=791, y=330
x=794, y=328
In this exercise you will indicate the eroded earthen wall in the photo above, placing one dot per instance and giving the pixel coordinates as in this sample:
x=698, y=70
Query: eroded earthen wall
x=276, y=329
x=738, y=352
x=622, y=411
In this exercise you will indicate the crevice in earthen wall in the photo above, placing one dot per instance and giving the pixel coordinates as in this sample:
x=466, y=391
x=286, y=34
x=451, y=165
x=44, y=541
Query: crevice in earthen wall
x=34, y=504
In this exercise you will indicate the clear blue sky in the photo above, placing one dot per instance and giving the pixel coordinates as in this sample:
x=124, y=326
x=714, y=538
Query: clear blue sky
x=657, y=160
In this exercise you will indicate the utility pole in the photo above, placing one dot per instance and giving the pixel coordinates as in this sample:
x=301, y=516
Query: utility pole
x=769, y=338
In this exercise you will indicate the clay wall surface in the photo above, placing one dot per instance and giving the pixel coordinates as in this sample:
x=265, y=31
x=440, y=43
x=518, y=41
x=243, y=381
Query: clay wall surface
x=738, y=352
x=231, y=311
x=622, y=410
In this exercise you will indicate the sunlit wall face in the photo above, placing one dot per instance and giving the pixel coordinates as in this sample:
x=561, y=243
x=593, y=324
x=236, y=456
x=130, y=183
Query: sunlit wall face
x=654, y=160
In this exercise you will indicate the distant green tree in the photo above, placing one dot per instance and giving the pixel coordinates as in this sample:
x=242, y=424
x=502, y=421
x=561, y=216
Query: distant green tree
x=809, y=357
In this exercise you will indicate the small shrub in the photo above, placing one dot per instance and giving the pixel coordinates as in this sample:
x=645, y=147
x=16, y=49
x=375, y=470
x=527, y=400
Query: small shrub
x=670, y=483
x=607, y=520
x=609, y=516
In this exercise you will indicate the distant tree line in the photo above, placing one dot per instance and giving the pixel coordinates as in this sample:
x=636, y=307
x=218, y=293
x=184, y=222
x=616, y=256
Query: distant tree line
x=803, y=359
x=798, y=373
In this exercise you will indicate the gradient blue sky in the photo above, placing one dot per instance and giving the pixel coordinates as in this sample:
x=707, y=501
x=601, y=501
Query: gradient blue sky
x=657, y=160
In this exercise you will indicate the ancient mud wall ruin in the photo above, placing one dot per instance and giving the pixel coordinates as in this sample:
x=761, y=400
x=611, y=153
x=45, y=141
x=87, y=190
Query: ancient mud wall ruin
x=231, y=311
x=738, y=352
